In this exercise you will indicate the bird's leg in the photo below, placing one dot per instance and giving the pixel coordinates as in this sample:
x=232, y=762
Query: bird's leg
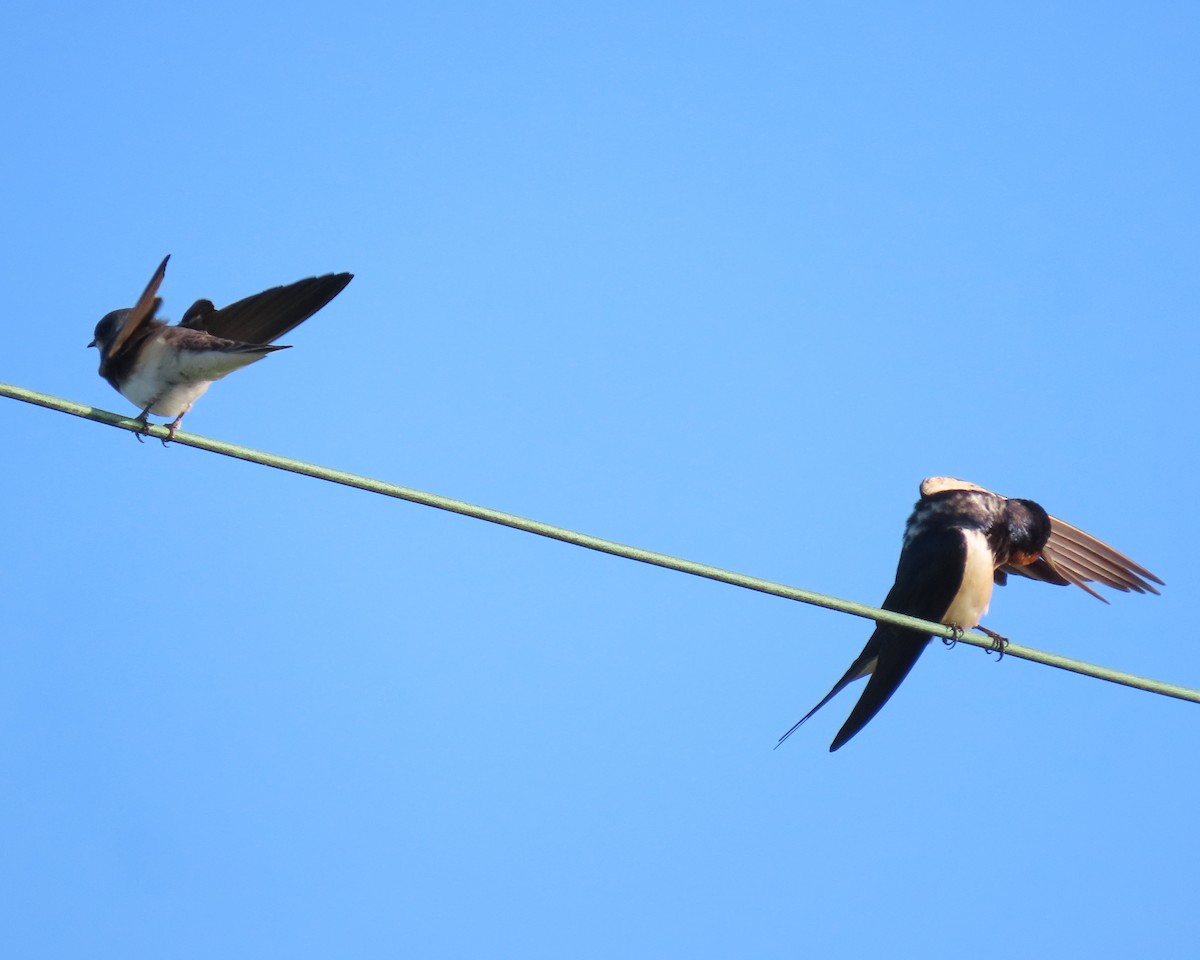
x=144, y=417
x=956, y=633
x=174, y=424
x=998, y=642
x=171, y=428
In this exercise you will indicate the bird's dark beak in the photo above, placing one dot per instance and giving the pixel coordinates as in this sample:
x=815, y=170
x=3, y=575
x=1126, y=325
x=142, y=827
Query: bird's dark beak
x=92, y=344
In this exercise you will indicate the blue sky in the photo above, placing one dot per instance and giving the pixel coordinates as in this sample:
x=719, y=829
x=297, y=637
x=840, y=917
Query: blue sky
x=724, y=282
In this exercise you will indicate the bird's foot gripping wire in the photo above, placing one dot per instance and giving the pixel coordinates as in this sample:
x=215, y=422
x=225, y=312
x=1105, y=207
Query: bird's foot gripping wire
x=998, y=644
x=956, y=633
x=144, y=420
x=145, y=430
x=171, y=427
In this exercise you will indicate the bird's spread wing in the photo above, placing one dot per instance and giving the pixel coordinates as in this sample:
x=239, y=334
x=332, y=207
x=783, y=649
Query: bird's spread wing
x=1070, y=555
x=266, y=316
x=147, y=305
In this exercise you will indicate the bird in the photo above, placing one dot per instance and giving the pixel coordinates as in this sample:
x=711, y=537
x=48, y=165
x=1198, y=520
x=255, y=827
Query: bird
x=165, y=369
x=960, y=540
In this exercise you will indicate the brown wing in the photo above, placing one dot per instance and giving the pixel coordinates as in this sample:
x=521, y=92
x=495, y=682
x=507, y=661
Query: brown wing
x=146, y=307
x=266, y=316
x=1072, y=556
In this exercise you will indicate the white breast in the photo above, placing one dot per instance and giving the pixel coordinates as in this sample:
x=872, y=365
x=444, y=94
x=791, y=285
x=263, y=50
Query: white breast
x=975, y=592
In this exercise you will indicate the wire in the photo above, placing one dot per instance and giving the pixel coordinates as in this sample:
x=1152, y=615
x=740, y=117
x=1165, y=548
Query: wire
x=595, y=543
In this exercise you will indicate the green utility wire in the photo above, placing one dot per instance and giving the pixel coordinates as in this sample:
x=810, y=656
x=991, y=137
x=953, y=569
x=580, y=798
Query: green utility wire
x=594, y=543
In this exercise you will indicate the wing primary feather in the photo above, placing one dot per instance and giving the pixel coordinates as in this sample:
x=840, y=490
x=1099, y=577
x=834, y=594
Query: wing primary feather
x=1061, y=530
x=1089, y=567
x=1074, y=578
x=146, y=306
x=266, y=316
x=1100, y=568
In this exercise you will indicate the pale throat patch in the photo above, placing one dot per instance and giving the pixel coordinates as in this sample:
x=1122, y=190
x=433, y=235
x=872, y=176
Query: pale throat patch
x=975, y=592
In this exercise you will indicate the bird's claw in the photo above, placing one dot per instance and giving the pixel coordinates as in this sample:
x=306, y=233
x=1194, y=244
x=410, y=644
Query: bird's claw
x=955, y=635
x=998, y=644
x=144, y=431
x=171, y=428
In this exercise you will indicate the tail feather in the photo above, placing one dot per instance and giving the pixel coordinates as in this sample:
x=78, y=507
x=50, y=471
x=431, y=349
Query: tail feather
x=863, y=665
x=886, y=659
x=898, y=652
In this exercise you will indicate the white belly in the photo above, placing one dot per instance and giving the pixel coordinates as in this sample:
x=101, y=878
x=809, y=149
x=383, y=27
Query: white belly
x=169, y=381
x=167, y=396
x=975, y=592
x=175, y=402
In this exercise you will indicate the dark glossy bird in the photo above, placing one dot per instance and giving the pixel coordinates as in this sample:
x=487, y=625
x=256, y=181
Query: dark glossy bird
x=165, y=369
x=960, y=540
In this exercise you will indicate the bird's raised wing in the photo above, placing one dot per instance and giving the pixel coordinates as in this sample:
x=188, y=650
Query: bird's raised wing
x=147, y=305
x=266, y=316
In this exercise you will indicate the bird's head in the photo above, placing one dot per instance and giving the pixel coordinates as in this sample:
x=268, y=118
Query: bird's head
x=106, y=331
x=1028, y=530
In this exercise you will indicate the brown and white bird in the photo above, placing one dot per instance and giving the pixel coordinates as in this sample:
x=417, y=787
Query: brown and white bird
x=165, y=369
x=960, y=540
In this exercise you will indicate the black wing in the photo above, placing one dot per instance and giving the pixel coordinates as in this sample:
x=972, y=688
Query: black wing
x=927, y=578
x=145, y=309
x=266, y=316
